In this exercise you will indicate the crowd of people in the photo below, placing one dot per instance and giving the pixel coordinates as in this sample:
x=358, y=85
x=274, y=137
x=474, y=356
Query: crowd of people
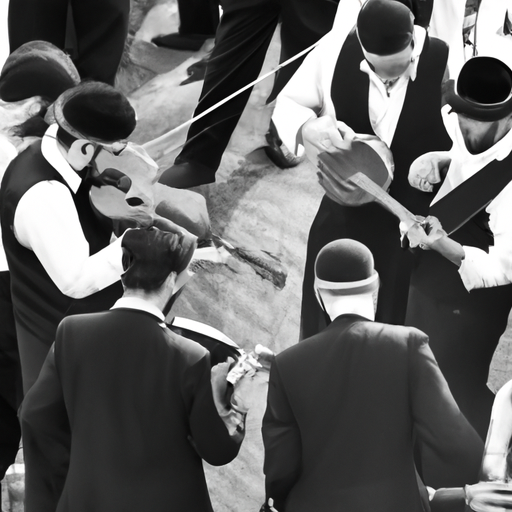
x=383, y=405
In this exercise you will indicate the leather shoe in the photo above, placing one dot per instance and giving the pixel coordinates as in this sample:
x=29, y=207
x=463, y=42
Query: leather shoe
x=176, y=41
x=277, y=152
x=187, y=175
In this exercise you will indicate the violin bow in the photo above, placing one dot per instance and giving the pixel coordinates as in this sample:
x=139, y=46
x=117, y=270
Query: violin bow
x=158, y=147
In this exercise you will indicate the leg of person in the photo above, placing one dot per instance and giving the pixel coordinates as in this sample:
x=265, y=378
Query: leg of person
x=198, y=17
x=303, y=23
x=101, y=29
x=10, y=379
x=242, y=40
x=33, y=352
x=198, y=22
x=30, y=20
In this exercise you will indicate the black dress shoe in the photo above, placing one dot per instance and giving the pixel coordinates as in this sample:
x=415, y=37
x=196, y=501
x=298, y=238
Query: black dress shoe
x=187, y=175
x=196, y=71
x=176, y=41
x=277, y=152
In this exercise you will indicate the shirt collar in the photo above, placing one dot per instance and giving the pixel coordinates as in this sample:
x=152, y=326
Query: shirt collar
x=51, y=153
x=419, y=41
x=140, y=304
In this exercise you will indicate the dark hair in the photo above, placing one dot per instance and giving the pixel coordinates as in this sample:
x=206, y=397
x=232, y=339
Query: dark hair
x=35, y=126
x=65, y=138
x=149, y=257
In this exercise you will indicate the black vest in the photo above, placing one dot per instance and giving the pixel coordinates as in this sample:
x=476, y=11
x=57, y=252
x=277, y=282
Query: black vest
x=420, y=127
x=39, y=305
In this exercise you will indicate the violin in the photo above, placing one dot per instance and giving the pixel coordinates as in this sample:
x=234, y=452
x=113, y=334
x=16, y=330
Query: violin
x=124, y=188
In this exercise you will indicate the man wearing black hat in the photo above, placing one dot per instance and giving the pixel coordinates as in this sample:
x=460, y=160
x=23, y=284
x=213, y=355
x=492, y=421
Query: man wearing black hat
x=343, y=405
x=242, y=40
x=32, y=77
x=139, y=405
x=460, y=293
x=58, y=248
x=382, y=78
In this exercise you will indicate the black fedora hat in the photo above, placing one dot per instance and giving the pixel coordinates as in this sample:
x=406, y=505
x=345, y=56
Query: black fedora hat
x=483, y=90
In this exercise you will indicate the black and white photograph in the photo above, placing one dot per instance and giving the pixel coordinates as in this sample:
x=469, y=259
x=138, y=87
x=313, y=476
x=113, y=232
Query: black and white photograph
x=255, y=255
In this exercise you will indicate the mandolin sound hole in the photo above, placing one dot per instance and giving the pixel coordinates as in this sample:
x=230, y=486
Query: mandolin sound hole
x=135, y=201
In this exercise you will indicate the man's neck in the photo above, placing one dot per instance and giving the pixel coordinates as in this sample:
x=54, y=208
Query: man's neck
x=154, y=298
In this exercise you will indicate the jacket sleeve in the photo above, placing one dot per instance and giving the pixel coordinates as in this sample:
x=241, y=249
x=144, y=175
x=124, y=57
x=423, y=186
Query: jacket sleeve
x=282, y=442
x=442, y=431
x=46, y=440
x=209, y=433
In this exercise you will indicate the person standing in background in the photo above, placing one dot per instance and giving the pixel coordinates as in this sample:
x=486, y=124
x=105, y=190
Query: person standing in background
x=100, y=26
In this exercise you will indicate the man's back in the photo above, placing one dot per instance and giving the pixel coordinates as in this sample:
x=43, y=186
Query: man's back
x=141, y=416
x=341, y=413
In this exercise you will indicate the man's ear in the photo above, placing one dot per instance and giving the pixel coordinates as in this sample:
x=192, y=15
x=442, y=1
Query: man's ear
x=80, y=154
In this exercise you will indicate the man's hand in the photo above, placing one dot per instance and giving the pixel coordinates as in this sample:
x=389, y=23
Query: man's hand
x=250, y=390
x=424, y=233
x=489, y=496
x=429, y=169
x=222, y=396
x=323, y=134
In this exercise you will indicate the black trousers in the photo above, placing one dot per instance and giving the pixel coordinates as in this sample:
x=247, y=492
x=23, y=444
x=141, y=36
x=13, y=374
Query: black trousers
x=241, y=44
x=198, y=16
x=101, y=27
x=10, y=379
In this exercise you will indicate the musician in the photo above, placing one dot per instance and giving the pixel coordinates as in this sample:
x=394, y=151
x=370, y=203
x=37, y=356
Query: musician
x=381, y=79
x=139, y=405
x=460, y=291
x=32, y=77
x=58, y=249
x=343, y=405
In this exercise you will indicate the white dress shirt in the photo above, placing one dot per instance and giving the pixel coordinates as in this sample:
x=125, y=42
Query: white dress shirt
x=308, y=93
x=480, y=269
x=46, y=222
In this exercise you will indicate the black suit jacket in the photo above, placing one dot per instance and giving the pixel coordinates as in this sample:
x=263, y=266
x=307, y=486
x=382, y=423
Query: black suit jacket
x=343, y=408
x=120, y=419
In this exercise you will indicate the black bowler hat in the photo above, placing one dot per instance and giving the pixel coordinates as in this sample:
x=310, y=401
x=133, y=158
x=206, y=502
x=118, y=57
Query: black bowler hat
x=346, y=267
x=150, y=255
x=483, y=90
x=385, y=27
x=37, y=68
x=95, y=111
